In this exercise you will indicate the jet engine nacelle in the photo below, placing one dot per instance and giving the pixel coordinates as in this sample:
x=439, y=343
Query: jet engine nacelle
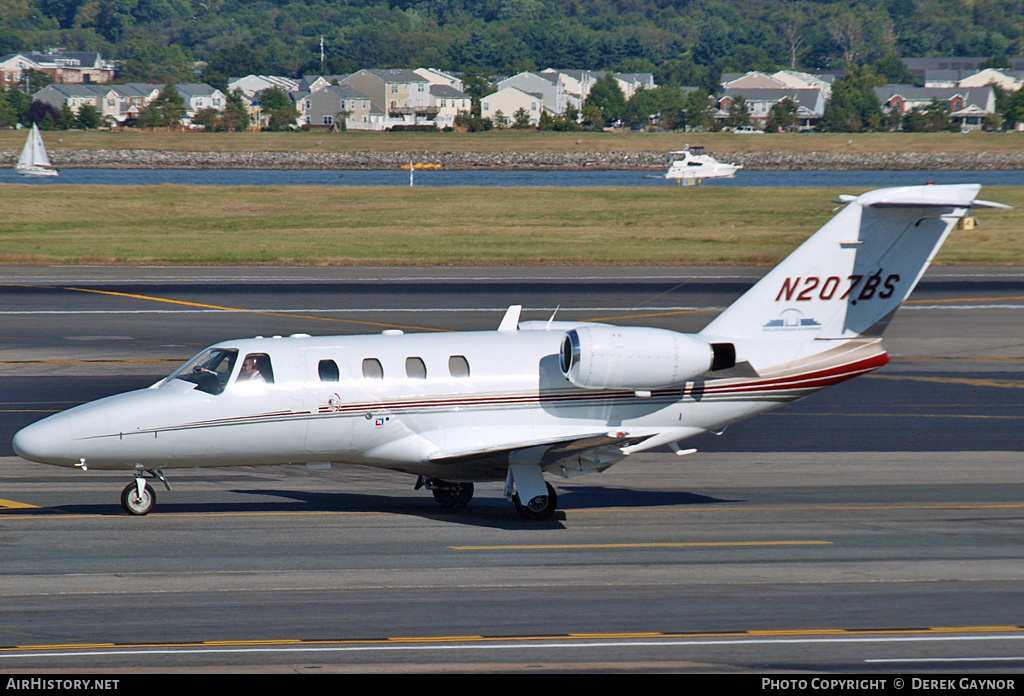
x=616, y=357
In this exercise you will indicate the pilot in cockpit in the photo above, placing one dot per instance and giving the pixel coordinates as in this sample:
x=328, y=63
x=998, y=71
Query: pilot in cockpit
x=250, y=372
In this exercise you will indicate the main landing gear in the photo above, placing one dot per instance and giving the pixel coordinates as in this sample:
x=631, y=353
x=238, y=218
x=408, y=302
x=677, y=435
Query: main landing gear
x=539, y=507
x=454, y=495
x=450, y=495
x=138, y=497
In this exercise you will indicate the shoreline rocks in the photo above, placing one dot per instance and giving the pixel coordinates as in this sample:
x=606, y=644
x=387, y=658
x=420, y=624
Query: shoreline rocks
x=773, y=161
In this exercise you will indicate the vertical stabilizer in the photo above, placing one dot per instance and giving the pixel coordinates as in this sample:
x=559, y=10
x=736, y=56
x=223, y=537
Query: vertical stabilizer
x=849, y=278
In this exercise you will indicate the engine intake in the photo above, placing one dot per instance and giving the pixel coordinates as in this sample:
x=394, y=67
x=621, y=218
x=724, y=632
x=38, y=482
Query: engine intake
x=616, y=357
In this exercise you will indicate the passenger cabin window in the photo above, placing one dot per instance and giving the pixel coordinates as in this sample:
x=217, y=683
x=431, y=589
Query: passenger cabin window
x=458, y=366
x=415, y=368
x=328, y=370
x=372, y=369
x=209, y=370
x=256, y=368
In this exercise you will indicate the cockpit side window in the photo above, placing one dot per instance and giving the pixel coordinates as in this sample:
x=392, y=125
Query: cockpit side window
x=209, y=370
x=256, y=368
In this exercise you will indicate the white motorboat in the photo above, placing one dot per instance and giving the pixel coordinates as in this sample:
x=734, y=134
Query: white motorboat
x=34, y=160
x=693, y=163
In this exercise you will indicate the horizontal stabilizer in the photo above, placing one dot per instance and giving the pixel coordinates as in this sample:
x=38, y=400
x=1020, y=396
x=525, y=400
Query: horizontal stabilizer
x=923, y=197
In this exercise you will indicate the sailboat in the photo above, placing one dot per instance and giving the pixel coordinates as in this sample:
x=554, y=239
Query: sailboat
x=34, y=160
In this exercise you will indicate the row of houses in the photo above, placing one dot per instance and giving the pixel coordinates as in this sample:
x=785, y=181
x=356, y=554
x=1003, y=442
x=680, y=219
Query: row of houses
x=369, y=99
x=384, y=99
x=63, y=67
x=372, y=99
x=119, y=104
x=970, y=99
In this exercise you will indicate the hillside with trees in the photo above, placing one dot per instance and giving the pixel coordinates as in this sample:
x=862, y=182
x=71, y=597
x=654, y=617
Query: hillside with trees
x=683, y=42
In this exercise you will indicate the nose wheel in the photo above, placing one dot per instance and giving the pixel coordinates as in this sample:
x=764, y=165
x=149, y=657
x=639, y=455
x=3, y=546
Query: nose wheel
x=138, y=498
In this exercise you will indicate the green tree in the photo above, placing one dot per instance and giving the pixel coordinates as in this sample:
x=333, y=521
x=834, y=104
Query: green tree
x=739, y=113
x=853, y=106
x=114, y=19
x=521, y=119
x=87, y=117
x=8, y=113
x=699, y=110
x=20, y=103
x=208, y=118
x=643, y=105
x=237, y=60
x=782, y=115
x=893, y=70
x=144, y=60
x=279, y=109
x=931, y=118
x=500, y=119
x=607, y=96
x=166, y=111
x=236, y=116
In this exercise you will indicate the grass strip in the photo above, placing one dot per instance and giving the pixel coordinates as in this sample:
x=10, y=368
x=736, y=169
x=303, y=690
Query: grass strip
x=171, y=224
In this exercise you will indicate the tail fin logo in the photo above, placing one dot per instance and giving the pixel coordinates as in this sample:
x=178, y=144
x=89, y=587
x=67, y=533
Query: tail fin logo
x=791, y=320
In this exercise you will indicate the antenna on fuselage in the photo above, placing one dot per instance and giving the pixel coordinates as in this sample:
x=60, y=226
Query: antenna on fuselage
x=552, y=319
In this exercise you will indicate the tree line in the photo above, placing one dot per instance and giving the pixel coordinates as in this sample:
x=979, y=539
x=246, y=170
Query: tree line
x=684, y=43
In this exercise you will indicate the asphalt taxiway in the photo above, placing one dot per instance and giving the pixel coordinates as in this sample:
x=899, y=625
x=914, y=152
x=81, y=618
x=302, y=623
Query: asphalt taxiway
x=874, y=526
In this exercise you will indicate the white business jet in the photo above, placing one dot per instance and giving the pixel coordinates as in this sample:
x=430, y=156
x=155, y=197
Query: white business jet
x=532, y=397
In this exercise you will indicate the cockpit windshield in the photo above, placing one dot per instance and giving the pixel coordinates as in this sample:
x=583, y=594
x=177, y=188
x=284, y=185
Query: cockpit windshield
x=209, y=370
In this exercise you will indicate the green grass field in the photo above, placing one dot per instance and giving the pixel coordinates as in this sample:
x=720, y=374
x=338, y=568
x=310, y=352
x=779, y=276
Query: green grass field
x=450, y=226
x=522, y=141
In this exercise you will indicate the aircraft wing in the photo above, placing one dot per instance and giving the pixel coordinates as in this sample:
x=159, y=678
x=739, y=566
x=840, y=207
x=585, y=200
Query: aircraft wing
x=575, y=454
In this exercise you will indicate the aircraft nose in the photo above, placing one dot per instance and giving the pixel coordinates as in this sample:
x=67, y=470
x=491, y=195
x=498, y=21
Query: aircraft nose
x=48, y=441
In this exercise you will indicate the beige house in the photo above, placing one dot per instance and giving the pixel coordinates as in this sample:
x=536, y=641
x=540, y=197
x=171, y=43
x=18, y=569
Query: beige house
x=502, y=106
x=1007, y=80
x=402, y=95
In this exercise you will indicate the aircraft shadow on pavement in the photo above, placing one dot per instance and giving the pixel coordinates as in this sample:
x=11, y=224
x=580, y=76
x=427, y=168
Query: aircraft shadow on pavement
x=484, y=511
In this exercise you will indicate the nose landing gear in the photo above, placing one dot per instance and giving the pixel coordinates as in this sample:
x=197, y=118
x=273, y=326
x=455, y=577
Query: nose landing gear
x=138, y=497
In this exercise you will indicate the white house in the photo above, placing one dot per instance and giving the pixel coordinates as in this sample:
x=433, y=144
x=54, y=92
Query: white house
x=198, y=96
x=252, y=84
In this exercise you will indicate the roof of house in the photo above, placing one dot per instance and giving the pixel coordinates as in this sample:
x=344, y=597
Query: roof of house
x=446, y=92
x=394, y=75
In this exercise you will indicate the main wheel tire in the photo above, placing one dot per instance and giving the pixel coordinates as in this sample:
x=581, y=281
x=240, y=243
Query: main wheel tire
x=454, y=496
x=540, y=508
x=133, y=503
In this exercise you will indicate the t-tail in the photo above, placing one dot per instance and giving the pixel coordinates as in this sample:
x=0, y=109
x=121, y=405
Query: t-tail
x=838, y=291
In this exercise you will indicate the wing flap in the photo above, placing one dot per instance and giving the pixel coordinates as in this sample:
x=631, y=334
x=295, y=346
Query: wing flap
x=557, y=448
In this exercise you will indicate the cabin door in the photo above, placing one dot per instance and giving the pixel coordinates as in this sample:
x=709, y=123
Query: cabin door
x=329, y=397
